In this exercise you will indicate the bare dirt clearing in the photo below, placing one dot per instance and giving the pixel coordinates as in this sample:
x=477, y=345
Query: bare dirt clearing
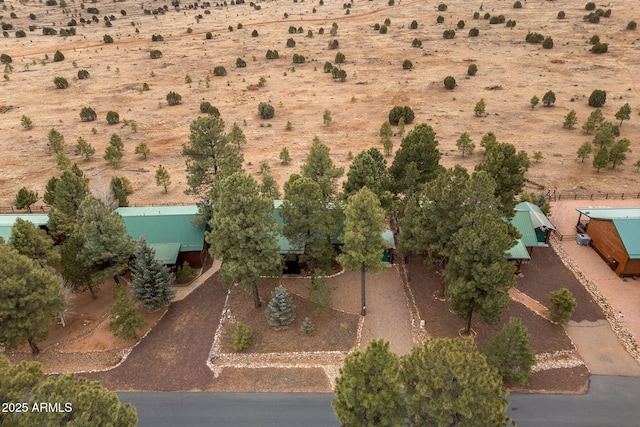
x=301, y=92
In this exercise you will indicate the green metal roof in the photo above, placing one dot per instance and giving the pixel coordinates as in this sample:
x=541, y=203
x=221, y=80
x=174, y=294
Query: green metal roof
x=283, y=243
x=522, y=221
x=7, y=221
x=538, y=219
x=518, y=251
x=629, y=231
x=165, y=224
x=387, y=235
x=610, y=213
x=166, y=253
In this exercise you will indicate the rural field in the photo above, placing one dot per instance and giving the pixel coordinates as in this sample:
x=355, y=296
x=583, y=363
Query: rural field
x=510, y=72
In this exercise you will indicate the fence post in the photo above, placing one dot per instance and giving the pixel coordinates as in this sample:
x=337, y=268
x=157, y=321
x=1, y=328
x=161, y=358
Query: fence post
x=622, y=196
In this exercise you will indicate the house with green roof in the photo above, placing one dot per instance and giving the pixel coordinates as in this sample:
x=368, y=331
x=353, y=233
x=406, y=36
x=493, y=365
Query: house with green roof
x=7, y=221
x=169, y=230
x=615, y=235
x=541, y=223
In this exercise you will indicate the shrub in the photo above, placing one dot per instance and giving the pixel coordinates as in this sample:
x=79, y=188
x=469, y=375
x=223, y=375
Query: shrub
x=414, y=24
x=594, y=39
x=593, y=18
x=93, y=10
x=442, y=7
x=562, y=305
x=5, y=59
x=600, y=47
x=561, y=14
x=113, y=156
x=207, y=108
x=460, y=24
x=58, y=56
x=497, y=19
x=157, y=38
x=61, y=83
x=208, y=35
x=449, y=34
x=328, y=67
x=291, y=42
x=340, y=58
x=440, y=19
x=219, y=71
x=511, y=23
x=254, y=33
x=145, y=87
x=398, y=112
x=107, y=38
x=241, y=337
x=298, y=59
x=449, y=82
x=416, y=43
x=598, y=98
x=376, y=27
x=472, y=70
x=155, y=54
x=547, y=43
x=534, y=38
x=113, y=117
x=266, y=110
x=87, y=114
x=486, y=16
x=511, y=353
x=632, y=25
x=387, y=21
x=590, y=6
x=26, y=122
x=476, y=15
x=407, y=65
x=272, y=54
x=383, y=29
x=307, y=327
x=285, y=158
x=83, y=74
x=517, y=4
x=292, y=29
x=185, y=273
x=174, y=98
x=474, y=32
x=280, y=312
x=241, y=63
x=479, y=111
x=333, y=44
x=20, y=34
x=548, y=99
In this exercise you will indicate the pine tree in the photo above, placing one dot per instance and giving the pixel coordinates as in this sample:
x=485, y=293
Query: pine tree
x=511, y=353
x=121, y=188
x=562, y=304
x=236, y=136
x=33, y=242
x=143, y=149
x=594, y=120
x=30, y=297
x=624, y=113
x=243, y=234
x=387, y=146
x=584, y=150
x=319, y=167
x=363, y=242
x=163, y=179
x=618, y=152
x=326, y=117
x=91, y=403
x=83, y=148
x=25, y=198
x=369, y=168
x=570, y=120
x=478, y=274
x=280, y=313
x=465, y=144
x=307, y=327
x=151, y=279
x=56, y=142
x=480, y=108
x=448, y=382
x=269, y=187
x=113, y=156
x=15, y=382
x=285, y=158
x=367, y=391
x=385, y=131
x=601, y=159
x=534, y=101
x=125, y=316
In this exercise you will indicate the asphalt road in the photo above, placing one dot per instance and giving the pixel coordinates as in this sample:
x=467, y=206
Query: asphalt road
x=610, y=402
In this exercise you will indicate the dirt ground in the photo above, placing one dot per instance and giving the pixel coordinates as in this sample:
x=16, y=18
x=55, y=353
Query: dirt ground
x=514, y=69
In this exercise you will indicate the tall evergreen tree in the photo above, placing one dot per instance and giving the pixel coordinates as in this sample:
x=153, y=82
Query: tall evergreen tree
x=367, y=390
x=91, y=404
x=369, y=168
x=64, y=196
x=363, y=242
x=269, y=187
x=30, y=297
x=479, y=275
x=319, y=167
x=448, y=382
x=601, y=159
x=209, y=156
x=15, y=382
x=417, y=160
x=125, y=315
x=33, y=242
x=618, y=152
x=121, y=188
x=151, y=279
x=243, y=234
x=280, y=311
x=507, y=168
x=106, y=247
x=511, y=353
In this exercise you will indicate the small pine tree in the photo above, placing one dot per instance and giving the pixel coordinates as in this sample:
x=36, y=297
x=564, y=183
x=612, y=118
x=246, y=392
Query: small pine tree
x=601, y=159
x=534, y=101
x=480, y=108
x=326, y=117
x=83, y=148
x=58, y=56
x=387, y=145
x=570, y=120
x=143, y=149
x=63, y=162
x=537, y=155
x=280, y=313
x=56, y=141
x=113, y=117
x=126, y=319
x=562, y=305
x=241, y=337
x=151, y=279
x=163, y=179
x=25, y=198
x=121, y=188
x=185, y=274
x=113, y=156
x=285, y=158
x=549, y=99
x=26, y=122
x=511, y=353
x=464, y=144
x=401, y=126
x=307, y=327
x=624, y=113
x=385, y=131
x=174, y=98
x=449, y=82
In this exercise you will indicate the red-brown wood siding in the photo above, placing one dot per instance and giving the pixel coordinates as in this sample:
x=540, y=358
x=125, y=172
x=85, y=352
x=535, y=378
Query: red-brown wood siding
x=633, y=268
x=606, y=241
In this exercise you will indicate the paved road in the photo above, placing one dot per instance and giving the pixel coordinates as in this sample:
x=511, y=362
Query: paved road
x=611, y=402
